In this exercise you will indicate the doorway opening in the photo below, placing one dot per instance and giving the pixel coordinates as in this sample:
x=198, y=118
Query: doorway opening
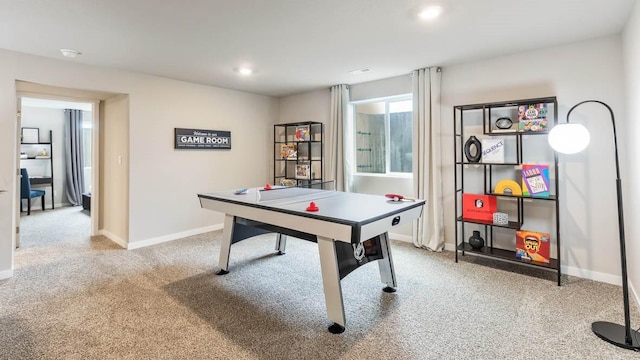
x=57, y=168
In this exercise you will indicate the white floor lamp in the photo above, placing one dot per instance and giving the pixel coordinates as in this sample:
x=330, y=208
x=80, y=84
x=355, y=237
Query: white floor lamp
x=572, y=138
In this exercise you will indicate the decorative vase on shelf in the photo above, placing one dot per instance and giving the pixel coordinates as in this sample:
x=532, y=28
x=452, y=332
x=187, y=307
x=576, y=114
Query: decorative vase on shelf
x=476, y=241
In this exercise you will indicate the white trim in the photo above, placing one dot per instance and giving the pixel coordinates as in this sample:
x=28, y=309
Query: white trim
x=95, y=166
x=592, y=275
x=634, y=294
x=403, y=238
x=386, y=175
x=581, y=273
x=171, y=237
x=113, y=238
x=449, y=247
x=6, y=274
x=407, y=96
x=387, y=141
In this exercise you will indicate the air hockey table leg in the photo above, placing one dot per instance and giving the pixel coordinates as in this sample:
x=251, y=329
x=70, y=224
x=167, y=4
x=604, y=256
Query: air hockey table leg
x=331, y=284
x=387, y=273
x=281, y=243
x=225, y=245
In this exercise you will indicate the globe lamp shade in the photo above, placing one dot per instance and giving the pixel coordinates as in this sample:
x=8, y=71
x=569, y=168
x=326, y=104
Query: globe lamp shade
x=569, y=138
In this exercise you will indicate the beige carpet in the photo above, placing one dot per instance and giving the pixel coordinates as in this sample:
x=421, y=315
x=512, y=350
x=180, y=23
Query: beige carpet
x=73, y=297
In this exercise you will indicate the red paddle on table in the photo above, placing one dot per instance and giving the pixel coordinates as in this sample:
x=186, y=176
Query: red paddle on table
x=398, y=197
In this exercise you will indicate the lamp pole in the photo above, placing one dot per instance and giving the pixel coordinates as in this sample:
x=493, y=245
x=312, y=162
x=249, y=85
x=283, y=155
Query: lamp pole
x=614, y=333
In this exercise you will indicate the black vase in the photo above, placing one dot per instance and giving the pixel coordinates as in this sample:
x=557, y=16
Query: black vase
x=476, y=241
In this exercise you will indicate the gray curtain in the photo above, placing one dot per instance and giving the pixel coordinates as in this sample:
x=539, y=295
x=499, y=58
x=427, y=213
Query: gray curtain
x=73, y=155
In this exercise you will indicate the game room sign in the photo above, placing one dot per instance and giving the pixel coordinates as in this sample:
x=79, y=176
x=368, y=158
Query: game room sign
x=202, y=139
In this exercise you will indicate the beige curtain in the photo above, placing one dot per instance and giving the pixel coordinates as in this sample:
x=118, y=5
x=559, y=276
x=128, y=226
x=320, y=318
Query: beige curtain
x=428, y=231
x=337, y=167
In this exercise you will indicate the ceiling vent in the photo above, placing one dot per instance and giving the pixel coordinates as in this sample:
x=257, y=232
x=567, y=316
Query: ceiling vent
x=359, y=71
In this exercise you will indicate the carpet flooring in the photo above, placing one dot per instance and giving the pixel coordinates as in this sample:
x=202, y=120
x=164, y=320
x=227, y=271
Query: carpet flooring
x=77, y=297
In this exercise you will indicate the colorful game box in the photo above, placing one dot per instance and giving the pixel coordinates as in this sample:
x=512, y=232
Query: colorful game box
x=532, y=117
x=288, y=151
x=302, y=133
x=303, y=171
x=533, y=246
x=535, y=180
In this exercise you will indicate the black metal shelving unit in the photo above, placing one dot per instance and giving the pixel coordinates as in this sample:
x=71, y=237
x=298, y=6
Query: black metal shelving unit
x=305, y=167
x=481, y=118
x=32, y=149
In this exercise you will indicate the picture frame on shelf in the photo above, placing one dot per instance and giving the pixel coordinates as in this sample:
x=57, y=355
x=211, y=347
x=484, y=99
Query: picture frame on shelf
x=29, y=135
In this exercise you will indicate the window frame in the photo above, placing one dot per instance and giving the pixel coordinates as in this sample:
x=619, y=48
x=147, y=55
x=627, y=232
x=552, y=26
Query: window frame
x=387, y=124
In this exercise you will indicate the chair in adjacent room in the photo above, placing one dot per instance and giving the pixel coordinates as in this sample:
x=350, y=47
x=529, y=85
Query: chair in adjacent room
x=27, y=193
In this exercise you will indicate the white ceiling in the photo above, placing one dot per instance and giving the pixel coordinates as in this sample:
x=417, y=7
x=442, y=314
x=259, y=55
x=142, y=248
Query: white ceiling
x=295, y=45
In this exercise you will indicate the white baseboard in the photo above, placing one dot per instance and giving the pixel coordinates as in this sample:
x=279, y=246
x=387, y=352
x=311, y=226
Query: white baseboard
x=592, y=275
x=403, y=238
x=6, y=274
x=113, y=238
x=634, y=294
x=577, y=272
x=171, y=237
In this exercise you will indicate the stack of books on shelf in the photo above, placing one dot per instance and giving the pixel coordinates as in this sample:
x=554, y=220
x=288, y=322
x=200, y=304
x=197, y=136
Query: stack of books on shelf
x=287, y=182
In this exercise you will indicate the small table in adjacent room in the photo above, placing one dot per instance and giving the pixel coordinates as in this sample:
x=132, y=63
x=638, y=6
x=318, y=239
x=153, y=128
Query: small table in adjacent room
x=350, y=229
x=86, y=201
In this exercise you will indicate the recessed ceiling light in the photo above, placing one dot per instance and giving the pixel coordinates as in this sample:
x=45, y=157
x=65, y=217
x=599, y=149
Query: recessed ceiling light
x=430, y=12
x=245, y=71
x=359, y=71
x=70, y=53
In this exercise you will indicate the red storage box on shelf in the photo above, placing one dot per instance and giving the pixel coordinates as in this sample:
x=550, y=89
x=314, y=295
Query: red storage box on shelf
x=478, y=207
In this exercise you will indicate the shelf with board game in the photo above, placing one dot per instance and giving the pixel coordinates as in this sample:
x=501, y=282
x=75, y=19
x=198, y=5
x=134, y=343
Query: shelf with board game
x=36, y=157
x=298, y=153
x=506, y=183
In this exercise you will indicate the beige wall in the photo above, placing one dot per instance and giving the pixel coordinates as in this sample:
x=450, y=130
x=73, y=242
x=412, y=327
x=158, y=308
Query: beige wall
x=398, y=85
x=629, y=130
x=114, y=169
x=162, y=182
x=572, y=73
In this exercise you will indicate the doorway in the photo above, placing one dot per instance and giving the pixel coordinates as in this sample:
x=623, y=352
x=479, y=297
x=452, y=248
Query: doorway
x=45, y=157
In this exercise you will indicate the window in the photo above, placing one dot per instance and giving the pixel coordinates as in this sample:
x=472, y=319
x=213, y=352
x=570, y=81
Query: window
x=383, y=130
